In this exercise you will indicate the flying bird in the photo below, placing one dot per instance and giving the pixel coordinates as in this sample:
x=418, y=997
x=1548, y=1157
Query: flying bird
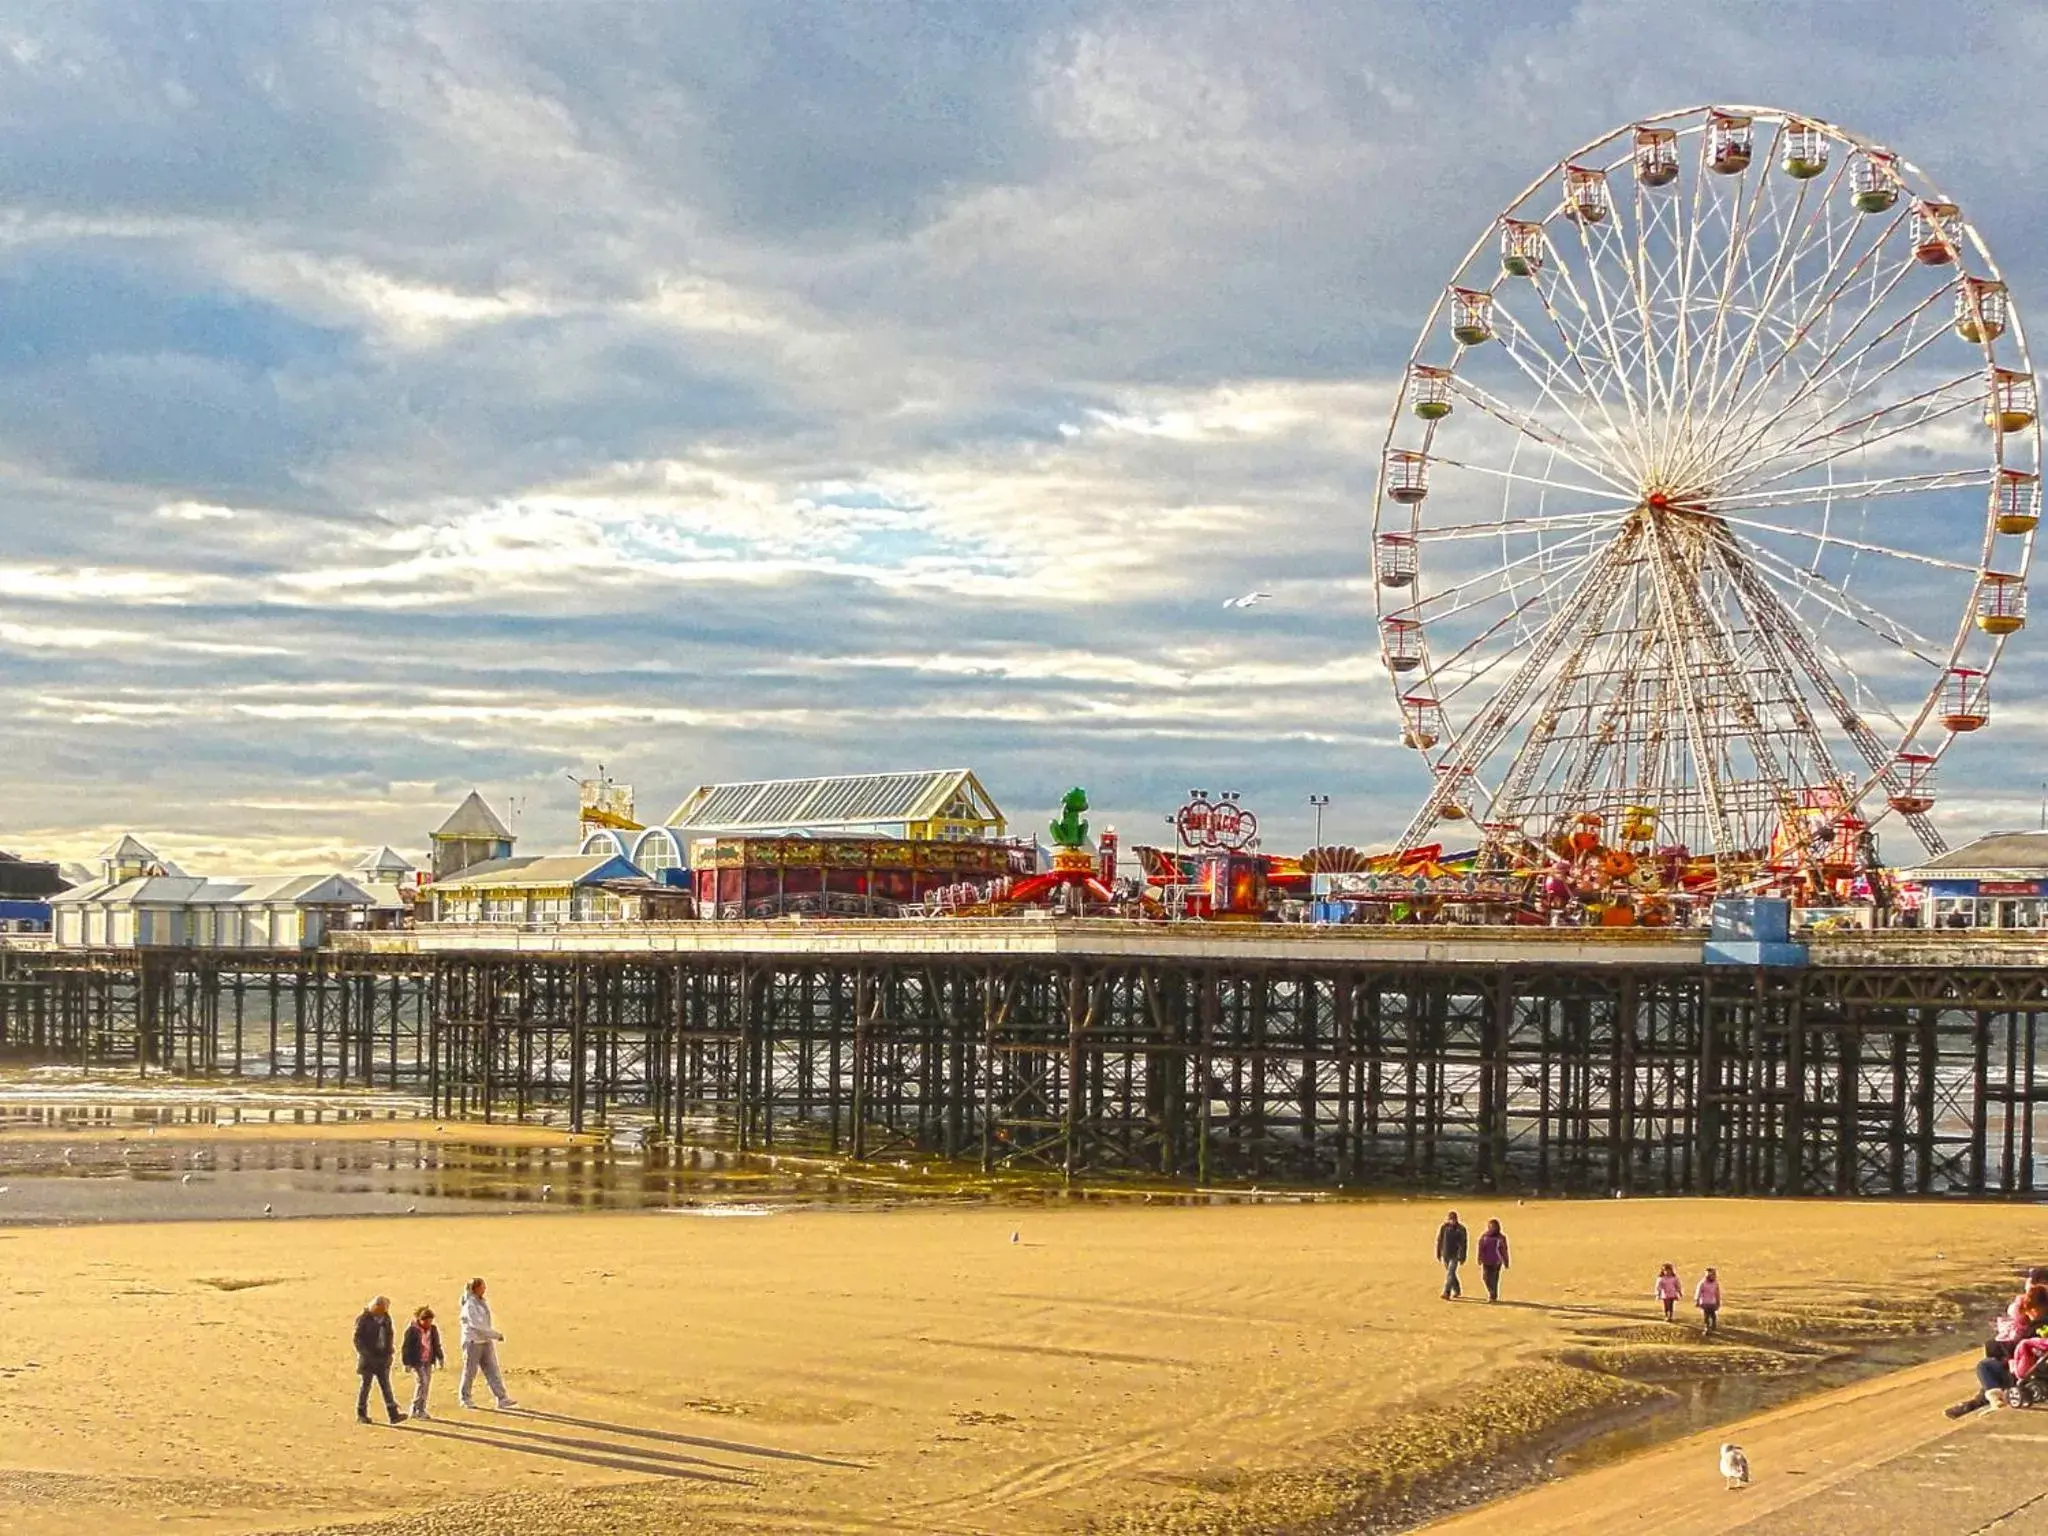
x=1249, y=600
x=1734, y=1466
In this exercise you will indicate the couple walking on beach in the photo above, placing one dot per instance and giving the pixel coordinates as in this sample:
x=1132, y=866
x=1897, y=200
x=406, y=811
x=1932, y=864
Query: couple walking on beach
x=422, y=1353
x=1451, y=1247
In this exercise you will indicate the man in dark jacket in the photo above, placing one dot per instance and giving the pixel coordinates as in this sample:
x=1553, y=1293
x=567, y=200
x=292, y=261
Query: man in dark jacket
x=373, y=1357
x=1450, y=1252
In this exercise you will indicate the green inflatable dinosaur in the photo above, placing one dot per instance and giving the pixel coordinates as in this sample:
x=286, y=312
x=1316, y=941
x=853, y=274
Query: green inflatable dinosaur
x=1070, y=830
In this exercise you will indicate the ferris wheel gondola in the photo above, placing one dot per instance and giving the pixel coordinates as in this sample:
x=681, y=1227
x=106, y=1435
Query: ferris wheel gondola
x=1710, y=494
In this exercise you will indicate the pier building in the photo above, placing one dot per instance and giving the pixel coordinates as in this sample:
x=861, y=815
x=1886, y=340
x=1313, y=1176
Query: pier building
x=1998, y=881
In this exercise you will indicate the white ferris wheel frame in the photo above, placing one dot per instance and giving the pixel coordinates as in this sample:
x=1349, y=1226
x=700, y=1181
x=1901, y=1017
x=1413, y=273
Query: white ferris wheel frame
x=1560, y=556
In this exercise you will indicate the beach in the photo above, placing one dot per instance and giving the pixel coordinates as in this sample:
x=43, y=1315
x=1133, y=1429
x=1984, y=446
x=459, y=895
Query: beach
x=980, y=1368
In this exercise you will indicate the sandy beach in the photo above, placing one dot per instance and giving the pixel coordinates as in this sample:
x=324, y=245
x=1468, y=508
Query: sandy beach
x=1113, y=1369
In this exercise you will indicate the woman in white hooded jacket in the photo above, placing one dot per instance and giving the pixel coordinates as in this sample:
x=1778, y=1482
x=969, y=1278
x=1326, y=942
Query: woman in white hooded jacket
x=480, y=1343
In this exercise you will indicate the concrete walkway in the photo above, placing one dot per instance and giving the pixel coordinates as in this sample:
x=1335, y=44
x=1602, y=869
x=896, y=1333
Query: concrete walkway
x=1867, y=1460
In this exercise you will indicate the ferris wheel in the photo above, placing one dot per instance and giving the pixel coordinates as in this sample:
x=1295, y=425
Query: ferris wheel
x=1707, y=502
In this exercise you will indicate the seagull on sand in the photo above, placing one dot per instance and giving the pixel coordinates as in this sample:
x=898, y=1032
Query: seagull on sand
x=1249, y=600
x=1734, y=1466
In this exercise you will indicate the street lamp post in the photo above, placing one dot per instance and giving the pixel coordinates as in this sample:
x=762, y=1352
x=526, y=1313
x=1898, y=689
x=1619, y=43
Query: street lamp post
x=1319, y=801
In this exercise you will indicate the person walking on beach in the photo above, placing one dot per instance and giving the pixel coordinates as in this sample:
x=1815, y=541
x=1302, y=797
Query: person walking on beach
x=373, y=1358
x=1707, y=1297
x=1493, y=1258
x=1669, y=1289
x=1450, y=1252
x=480, y=1343
x=420, y=1353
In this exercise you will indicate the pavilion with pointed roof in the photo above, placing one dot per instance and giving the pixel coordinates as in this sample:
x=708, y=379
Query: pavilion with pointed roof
x=472, y=835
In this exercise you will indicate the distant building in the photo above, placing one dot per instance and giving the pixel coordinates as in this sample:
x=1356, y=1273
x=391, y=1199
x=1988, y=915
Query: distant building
x=391, y=880
x=180, y=911
x=1998, y=881
x=538, y=888
x=473, y=835
x=26, y=887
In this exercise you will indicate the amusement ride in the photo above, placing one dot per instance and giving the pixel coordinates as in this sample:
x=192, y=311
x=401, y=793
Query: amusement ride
x=1704, y=517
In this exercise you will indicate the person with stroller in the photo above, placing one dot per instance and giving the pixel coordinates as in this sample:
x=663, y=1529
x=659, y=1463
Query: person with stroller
x=2017, y=1341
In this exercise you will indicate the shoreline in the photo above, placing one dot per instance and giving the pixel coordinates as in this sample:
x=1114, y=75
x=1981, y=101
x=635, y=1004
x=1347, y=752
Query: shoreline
x=1615, y=1418
x=1635, y=1430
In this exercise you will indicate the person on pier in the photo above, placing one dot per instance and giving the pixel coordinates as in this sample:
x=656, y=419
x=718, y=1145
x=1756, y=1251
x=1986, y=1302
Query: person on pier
x=480, y=1343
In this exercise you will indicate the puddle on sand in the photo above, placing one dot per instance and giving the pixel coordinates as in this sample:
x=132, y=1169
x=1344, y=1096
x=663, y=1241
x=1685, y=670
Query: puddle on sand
x=86, y=1149
x=1702, y=1404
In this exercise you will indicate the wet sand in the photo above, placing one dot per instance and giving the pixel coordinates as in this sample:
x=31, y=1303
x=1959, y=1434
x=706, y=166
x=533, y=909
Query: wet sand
x=1116, y=1369
x=1878, y=1456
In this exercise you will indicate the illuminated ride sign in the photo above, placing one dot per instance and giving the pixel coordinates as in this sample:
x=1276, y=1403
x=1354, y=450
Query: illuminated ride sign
x=1220, y=825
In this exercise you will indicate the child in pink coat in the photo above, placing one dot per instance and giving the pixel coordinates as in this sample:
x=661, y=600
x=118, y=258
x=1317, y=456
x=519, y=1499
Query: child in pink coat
x=1669, y=1289
x=1707, y=1297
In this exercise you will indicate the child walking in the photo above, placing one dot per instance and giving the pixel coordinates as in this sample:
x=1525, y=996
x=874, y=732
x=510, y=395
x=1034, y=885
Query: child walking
x=1669, y=1289
x=1707, y=1297
x=420, y=1353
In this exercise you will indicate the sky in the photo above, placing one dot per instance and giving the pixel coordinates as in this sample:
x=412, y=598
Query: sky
x=396, y=399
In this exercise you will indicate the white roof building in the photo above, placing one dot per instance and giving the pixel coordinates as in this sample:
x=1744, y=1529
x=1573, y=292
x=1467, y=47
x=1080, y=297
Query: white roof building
x=179, y=911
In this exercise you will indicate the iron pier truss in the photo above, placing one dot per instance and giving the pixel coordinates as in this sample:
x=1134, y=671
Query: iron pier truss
x=1073, y=1049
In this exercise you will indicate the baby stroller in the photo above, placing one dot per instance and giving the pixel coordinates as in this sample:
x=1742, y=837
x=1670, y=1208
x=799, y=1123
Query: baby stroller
x=2029, y=1392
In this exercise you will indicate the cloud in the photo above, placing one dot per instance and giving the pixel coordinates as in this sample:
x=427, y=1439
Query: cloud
x=430, y=394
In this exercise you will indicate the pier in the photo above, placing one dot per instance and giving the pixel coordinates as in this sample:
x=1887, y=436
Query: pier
x=1537, y=1060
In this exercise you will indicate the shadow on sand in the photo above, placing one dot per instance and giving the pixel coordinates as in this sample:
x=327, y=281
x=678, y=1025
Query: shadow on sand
x=590, y=1453
x=670, y=1437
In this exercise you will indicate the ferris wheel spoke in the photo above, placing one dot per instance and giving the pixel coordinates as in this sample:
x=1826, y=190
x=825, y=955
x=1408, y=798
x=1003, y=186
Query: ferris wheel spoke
x=1587, y=389
x=1515, y=339
x=1751, y=418
x=1476, y=745
x=1805, y=320
x=1579, y=454
x=1792, y=638
x=1851, y=490
x=1823, y=537
x=1522, y=477
x=1544, y=593
x=1483, y=587
x=1933, y=405
x=1784, y=261
x=1603, y=326
x=1756, y=447
x=1837, y=599
x=1697, y=401
x=1531, y=527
